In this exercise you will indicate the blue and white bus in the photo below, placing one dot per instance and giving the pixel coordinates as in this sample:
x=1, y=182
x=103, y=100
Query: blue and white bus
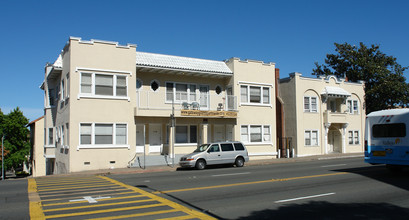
x=386, y=138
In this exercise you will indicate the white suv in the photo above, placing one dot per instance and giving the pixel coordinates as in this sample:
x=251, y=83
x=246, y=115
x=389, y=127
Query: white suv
x=216, y=153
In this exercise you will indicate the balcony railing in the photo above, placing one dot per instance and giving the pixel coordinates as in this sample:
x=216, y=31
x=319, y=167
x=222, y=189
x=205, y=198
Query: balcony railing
x=185, y=104
x=334, y=117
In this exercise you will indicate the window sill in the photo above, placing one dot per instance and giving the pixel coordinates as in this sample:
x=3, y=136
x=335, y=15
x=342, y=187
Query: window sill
x=86, y=96
x=102, y=146
x=49, y=146
x=257, y=143
x=256, y=104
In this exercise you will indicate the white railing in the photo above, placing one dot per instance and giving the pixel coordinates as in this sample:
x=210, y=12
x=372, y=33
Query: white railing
x=183, y=101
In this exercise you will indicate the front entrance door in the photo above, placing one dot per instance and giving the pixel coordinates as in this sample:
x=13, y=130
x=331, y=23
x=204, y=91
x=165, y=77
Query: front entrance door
x=155, y=138
x=334, y=141
x=219, y=133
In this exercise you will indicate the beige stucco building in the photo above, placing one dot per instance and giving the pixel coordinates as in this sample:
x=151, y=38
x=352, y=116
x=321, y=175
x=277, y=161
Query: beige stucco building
x=110, y=106
x=323, y=115
x=37, y=147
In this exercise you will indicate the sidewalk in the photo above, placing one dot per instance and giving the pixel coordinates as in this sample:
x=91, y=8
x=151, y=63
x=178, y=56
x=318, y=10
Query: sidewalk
x=253, y=162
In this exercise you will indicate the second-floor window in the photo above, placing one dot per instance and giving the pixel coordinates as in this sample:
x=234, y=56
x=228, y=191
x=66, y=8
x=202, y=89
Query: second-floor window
x=310, y=104
x=180, y=92
x=95, y=84
x=353, y=107
x=254, y=94
x=50, y=136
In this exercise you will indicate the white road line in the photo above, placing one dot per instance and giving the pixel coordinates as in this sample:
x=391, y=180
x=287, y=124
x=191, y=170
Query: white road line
x=305, y=197
x=90, y=199
x=231, y=174
x=334, y=165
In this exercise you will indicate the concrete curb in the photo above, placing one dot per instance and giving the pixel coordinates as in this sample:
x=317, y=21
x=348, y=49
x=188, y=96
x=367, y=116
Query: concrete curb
x=152, y=169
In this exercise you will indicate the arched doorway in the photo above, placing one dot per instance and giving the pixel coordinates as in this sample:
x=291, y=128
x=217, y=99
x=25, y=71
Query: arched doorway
x=334, y=140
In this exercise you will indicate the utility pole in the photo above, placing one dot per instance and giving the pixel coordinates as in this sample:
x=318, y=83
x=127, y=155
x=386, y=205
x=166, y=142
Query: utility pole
x=172, y=128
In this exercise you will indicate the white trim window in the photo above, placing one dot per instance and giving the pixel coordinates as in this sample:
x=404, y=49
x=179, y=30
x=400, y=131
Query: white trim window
x=255, y=95
x=50, y=136
x=353, y=137
x=311, y=138
x=103, y=134
x=100, y=85
x=353, y=107
x=256, y=133
x=181, y=92
x=310, y=104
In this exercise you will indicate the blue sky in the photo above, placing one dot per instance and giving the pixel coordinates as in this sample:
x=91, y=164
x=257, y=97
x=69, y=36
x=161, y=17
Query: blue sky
x=292, y=34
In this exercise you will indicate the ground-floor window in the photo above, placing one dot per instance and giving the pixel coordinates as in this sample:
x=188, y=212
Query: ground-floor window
x=311, y=137
x=255, y=133
x=185, y=134
x=353, y=137
x=103, y=134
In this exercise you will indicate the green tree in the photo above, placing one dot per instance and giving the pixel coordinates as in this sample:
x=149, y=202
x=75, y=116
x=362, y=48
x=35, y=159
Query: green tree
x=385, y=85
x=16, y=142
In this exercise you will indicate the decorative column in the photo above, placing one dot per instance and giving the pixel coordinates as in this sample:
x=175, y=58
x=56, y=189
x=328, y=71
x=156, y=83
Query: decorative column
x=344, y=128
x=205, y=128
x=326, y=125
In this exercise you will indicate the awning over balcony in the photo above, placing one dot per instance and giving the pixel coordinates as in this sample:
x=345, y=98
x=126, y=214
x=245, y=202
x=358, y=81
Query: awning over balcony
x=181, y=64
x=337, y=92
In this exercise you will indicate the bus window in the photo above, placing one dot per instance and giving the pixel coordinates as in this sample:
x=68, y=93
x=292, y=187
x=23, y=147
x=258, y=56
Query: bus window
x=389, y=130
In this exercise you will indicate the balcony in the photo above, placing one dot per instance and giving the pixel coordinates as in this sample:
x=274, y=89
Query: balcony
x=335, y=117
x=159, y=104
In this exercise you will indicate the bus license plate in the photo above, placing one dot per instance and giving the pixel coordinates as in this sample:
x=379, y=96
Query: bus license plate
x=379, y=153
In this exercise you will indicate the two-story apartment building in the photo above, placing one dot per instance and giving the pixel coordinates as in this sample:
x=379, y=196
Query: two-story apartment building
x=323, y=115
x=106, y=104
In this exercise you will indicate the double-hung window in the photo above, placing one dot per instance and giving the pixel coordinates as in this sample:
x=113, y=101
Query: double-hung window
x=353, y=107
x=256, y=133
x=106, y=134
x=255, y=94
x=180, y=92
x=311, y=137
x=103, y=85
x=310, y=104
x=353, y=137
x=50, y=136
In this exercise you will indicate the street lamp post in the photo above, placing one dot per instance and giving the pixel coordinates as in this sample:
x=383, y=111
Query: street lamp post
x=2, y=157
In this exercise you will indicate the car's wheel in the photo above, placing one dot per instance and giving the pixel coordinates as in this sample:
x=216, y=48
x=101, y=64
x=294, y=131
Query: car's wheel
x=200, y=164
x=239, y=162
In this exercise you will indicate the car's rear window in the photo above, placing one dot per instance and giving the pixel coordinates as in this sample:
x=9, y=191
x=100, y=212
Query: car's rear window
x=227, y=147
x=238, y=146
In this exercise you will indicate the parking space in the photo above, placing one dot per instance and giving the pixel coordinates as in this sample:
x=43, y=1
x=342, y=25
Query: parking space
x=100, y=197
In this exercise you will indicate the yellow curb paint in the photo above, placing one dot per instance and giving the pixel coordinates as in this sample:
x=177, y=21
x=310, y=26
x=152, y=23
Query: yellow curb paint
x=36, y=211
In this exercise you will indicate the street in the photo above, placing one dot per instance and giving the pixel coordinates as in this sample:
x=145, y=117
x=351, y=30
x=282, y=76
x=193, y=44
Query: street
x=344, y=188
x=323, y=189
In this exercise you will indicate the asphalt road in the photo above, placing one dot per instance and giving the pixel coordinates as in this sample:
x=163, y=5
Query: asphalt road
x=13, y=199
x=322, y=189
